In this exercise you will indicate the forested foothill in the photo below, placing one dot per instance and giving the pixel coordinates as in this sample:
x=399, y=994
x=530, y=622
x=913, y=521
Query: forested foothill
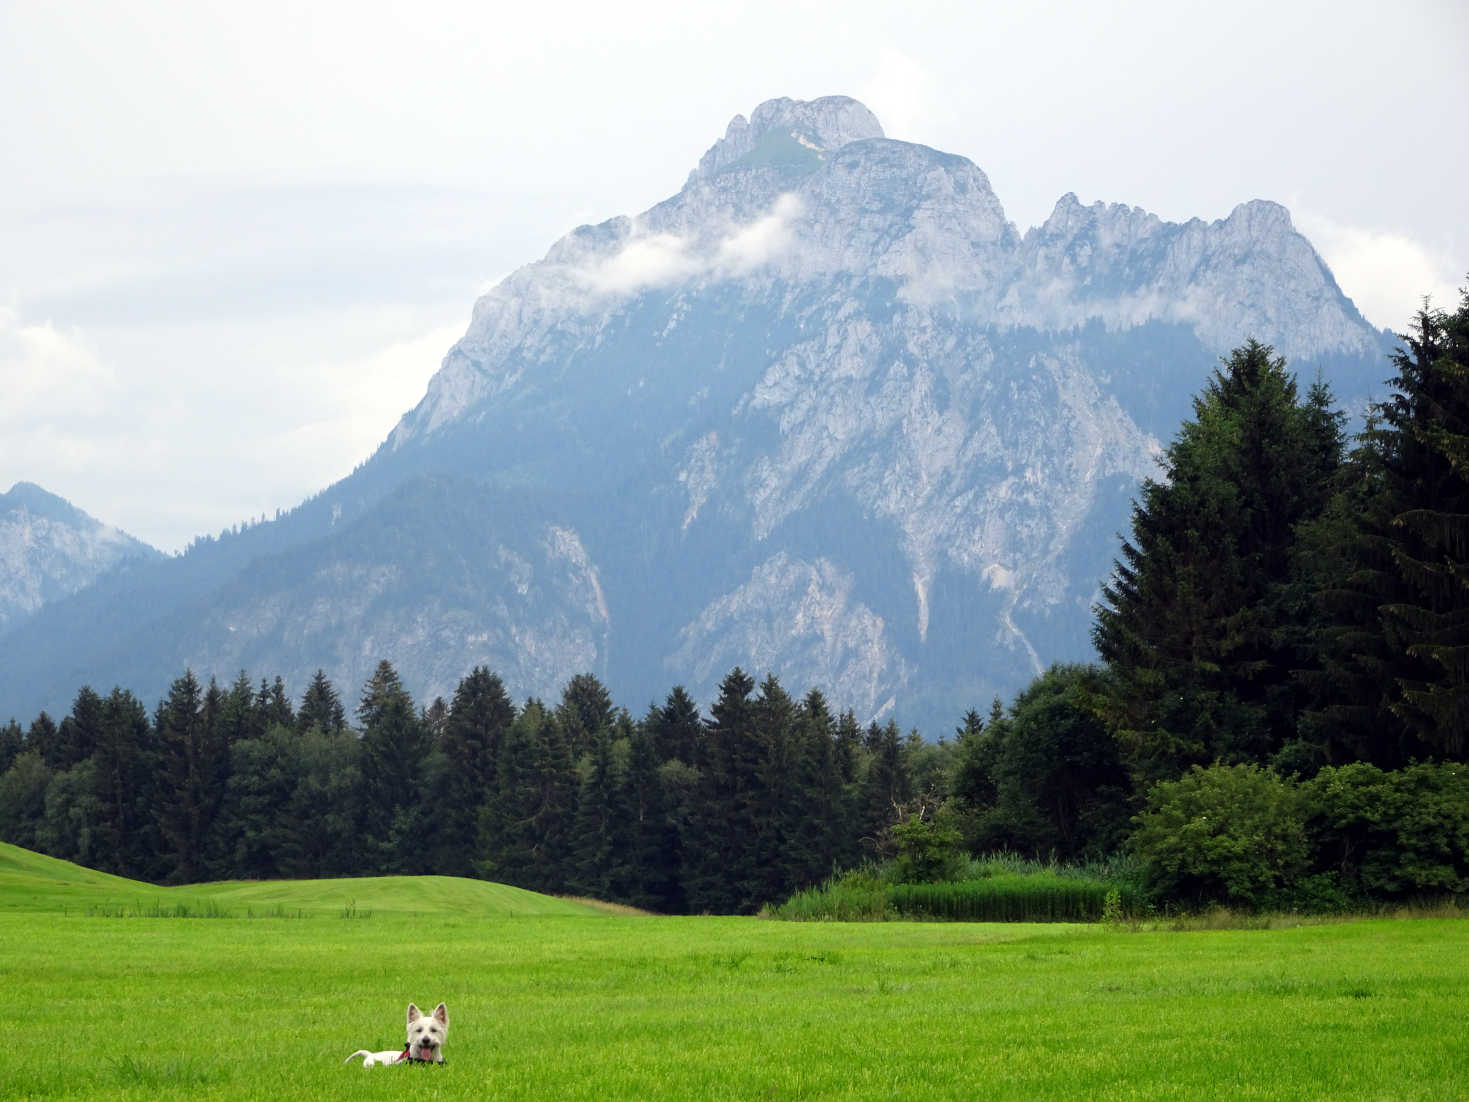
x=1278, y=720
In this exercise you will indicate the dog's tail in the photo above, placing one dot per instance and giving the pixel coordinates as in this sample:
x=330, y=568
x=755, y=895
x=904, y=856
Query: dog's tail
x=360, y=1052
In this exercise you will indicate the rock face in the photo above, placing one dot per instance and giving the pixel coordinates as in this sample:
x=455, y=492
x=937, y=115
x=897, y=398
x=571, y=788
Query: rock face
x=49, y=549
x=823, y=413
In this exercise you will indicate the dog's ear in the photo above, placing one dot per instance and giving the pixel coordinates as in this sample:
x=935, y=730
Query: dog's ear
x=413, y=1013
x=441, y=1012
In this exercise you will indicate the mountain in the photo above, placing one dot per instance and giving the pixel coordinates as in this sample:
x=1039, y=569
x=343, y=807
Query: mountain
x=50, y=549
x=824, y=412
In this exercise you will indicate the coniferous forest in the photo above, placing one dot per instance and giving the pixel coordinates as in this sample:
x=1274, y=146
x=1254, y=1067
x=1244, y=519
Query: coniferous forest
x=1276, y=718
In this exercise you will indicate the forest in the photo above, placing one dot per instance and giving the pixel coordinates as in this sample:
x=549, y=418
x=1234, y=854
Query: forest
x=1277, y=717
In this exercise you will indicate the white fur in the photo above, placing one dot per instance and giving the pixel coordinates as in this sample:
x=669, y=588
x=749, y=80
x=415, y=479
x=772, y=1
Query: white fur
x=426, y=1035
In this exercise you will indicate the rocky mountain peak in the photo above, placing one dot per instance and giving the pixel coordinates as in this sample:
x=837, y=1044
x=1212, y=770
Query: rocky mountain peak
x=49, y=548
x=786, y=126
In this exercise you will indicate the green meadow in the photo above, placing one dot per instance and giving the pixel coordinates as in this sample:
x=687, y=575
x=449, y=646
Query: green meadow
x=114, y=989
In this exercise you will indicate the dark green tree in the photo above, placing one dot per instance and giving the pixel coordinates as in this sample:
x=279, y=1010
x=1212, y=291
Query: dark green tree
x=23, y=798
x=719, y=845
x=1390, y=677
x=321, y=707
x=676, y=727
x=42, y=738
x=887, y=788
x=1048, y=778
x=192, y=771
x=525, y=834
x=80, y=730
x=601, y=825
x=585, y=709
x=126, y=760
x=1425, y=455
x=474, y=732
x=1194, y=622
x=273, y=706
x=395, y=765
x=12, y=742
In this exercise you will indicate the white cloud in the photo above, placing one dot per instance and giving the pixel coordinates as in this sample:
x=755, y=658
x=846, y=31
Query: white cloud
x=763, y=240
x=46, y=372
x=1384, y=272
x=654, y=260
x=662, y=259
x=176, y=430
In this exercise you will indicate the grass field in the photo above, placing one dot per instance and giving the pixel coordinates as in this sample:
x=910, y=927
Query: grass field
x=105, y=1001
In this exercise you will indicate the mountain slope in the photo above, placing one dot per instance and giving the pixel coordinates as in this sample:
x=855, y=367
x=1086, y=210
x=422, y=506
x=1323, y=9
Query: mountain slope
x=824, y=412
x=50, y=549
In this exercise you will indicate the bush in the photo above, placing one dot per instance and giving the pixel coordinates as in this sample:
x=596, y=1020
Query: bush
x=1391, y=836
x=929, y=846
x=1230, y=834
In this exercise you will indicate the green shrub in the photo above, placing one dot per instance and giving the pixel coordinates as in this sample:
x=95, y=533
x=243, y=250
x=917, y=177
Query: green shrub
x=929, y=846
x=1229, y=834
x=1392, y=835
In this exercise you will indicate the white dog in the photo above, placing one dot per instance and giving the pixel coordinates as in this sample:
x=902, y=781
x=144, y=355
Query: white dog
x=425, y=1044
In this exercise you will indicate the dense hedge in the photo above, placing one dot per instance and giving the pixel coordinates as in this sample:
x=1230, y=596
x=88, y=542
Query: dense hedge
x=1353, y=834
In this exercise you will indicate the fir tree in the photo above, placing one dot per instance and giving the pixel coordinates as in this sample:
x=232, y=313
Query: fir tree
x=192, y=768
x=474, y=731
x=395, y=750
x=1392, y=682
x=1193, y=621
x=321, y=707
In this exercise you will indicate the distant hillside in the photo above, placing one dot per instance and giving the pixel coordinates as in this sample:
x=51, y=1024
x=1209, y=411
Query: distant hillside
x=34, y=882
x=49, y=549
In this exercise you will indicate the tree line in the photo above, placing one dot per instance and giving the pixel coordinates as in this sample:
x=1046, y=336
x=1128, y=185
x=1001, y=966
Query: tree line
x=673, y=811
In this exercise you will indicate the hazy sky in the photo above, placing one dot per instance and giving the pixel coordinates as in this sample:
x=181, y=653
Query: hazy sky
x=236, y=239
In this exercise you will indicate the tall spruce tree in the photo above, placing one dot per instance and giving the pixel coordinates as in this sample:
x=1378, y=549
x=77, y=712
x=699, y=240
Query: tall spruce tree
x=193, y=769
x=395, y=750
x=1428, y=487
x=719, y=843
x=321, y=707
x=1392, y=680
x=126, y=761
x=1194, y=620
x=473, y=733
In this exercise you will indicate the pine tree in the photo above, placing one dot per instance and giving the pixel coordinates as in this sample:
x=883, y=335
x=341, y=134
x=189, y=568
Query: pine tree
x=474, y=731
x=524, y=835
x=1394, y=670
x=126, y=758
x=80, y=730
x=321, y=707
x=719, y=844
x=676, y=727
x=273, y=706
x=1429, y=489
x=12, y=742
x=1194, y=620
x=42, y=739
x=585, y=709
x=192, y=768
x=395, y=750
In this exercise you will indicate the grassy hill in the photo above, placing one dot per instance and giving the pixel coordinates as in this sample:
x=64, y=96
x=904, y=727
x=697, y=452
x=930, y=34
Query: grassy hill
x=33, y=882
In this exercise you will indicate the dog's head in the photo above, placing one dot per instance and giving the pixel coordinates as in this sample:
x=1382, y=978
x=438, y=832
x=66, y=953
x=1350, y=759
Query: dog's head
x=426, y=1033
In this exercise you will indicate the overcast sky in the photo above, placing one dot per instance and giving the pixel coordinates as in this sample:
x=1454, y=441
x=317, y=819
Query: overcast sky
x=237, y=239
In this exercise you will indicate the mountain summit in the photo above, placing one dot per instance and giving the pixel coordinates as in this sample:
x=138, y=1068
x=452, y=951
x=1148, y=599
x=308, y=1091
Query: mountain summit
x=50, y=549
x=824, y=412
